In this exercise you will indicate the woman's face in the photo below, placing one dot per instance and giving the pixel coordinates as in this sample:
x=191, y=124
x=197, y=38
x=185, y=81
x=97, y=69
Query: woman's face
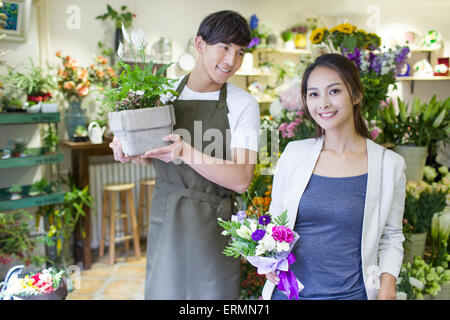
x=328, y=99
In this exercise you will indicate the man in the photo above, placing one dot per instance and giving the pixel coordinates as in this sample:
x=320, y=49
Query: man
x=184, y=259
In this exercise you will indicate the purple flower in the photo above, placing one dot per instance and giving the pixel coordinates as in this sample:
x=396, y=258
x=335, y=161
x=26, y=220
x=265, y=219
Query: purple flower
x=258, y=234
x=241, y=215
x=254, y=42
x=264, y=220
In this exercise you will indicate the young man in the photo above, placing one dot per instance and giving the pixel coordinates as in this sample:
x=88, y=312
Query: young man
x=184, y=250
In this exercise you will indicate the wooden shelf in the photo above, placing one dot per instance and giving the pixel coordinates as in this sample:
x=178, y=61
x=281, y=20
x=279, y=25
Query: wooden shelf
x=19, y=118
x=423, y=50
x=37, y=160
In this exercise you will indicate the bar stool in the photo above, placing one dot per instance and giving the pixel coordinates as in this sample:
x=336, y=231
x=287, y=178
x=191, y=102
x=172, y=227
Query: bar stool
x=146, y=188
x=110, y=192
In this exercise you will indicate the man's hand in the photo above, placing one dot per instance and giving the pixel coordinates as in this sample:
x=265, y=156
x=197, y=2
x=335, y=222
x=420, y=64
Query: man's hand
x=172, y=152
x=123, y=158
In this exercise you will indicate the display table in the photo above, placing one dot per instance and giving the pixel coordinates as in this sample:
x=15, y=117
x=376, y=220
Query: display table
x=80, y=154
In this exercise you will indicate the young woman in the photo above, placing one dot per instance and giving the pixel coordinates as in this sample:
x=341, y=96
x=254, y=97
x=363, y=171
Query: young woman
x=184, y=243
x=344, y=194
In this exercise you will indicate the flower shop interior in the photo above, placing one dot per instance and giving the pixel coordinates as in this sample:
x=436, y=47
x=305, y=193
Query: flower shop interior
x=57, y=56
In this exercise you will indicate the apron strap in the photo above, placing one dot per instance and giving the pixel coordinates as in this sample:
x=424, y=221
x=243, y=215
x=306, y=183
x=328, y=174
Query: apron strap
x=189, y=193
x=183, y=83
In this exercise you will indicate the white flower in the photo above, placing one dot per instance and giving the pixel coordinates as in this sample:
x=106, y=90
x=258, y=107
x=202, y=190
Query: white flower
x=401, y=296
x=120, y=50
x=253, y=225
x=416, y=283
x=140, y=92
x=166, y=97
x=276, y=109
x=260, y=250
x=268, y=242
x=269, y=228
x=224, y=233
x=282, y=246
x=138, y=39
x=125, y=34
x=244, y=232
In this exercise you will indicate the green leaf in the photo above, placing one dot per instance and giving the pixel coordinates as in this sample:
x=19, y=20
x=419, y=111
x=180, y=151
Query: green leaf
x=282, y=219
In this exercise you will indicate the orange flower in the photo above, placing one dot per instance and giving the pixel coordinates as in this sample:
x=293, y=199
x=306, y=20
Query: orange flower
x=83, y=74
x=111, y=72
x=102, y=60
x=69, y=85
x=92, y=66
x=58, y=54
x=100, y=74
x=258, y=201
x=82, y=89
x=267, y=201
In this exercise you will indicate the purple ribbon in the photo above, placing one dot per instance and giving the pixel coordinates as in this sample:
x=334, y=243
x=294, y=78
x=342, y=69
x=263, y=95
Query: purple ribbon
x=288, y=281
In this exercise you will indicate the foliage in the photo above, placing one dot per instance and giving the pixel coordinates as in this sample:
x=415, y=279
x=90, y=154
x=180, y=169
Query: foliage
x=137, y=86
x=421, y=278
x=422, y=202
x=15, y=188
x=41, y=187
x=124, y=16
x=16, y=238
x=35, y=83
x=426, y=122
x=51, y=139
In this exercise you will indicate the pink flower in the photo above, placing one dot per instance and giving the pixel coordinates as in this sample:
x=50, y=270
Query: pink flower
x=282, y=233
x=375, y=132
x=291, y=98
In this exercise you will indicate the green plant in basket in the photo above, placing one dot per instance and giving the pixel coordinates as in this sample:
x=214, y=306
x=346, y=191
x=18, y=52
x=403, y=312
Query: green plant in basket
x=138, y=86
x=426, y=122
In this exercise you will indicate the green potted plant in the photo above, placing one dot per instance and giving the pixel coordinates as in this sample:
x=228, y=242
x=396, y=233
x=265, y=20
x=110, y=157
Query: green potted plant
x=421, y=203
x=40, y=187
x=16, y=191
x=81, y=134
x=18, y=241
x=35, y=83
x=288, y=39
x=413, y=132
x=420, y=280
x=51, y=140
x=19, y=146
x=135, y=117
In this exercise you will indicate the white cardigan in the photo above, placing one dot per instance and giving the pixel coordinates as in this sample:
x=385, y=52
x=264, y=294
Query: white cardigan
x=382, y=237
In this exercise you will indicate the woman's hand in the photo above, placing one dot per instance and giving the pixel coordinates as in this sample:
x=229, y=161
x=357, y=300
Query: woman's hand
x=387, y=287
x=272, y=277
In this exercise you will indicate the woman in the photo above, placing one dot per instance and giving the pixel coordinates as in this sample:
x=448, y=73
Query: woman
x=344, y=194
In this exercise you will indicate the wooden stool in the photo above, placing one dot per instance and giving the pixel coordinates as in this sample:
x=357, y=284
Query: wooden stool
x=110, y=193
x=146, y=187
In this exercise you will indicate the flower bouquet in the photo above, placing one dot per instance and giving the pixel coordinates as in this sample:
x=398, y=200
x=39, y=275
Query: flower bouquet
x=135, y=117
x=266, y=243
x=45, y=285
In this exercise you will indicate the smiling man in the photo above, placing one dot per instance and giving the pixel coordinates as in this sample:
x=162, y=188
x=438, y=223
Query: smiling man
x=184, y=259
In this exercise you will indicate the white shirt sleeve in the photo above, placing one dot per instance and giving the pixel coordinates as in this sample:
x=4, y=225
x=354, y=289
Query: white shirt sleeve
x=245, y=129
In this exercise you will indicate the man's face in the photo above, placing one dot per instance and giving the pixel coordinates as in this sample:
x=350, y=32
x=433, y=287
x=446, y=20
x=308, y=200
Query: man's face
x=221, y=60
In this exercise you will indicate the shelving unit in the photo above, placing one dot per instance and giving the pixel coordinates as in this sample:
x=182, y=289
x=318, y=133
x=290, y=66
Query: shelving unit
x=423, y=78
x=257, y=73
x=35, y=159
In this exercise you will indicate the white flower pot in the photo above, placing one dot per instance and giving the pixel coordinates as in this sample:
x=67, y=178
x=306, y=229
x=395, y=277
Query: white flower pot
x=289, y=45
x=49, y=107
x=415, y=158
x=415, y=246
x=141, y=130
x=34, y=109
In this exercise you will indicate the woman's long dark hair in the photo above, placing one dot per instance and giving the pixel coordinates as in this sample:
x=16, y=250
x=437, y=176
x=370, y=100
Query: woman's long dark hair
x=349, y=73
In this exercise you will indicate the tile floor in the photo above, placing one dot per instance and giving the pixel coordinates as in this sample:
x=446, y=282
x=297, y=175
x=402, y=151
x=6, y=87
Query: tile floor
x=122, y=281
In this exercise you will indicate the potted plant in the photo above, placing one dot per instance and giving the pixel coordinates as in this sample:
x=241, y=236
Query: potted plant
x=124, y=17
x=413, y=132
x=135, y=117
x=419, y=280
x=421, y=203
x=81, y=134
x=40, y=187
x=16, y=191
x=288, y=39
x=18, y=241
x=19, y=146
x=35, y=83
x=46, y=285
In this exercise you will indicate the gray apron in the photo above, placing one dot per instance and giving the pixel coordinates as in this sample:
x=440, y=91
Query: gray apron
x=184, y=243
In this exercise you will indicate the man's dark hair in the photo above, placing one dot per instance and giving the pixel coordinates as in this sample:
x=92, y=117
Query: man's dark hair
x=225, y=26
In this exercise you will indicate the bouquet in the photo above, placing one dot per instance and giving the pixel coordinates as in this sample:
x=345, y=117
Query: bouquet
x=266, y=243
x=36, y=286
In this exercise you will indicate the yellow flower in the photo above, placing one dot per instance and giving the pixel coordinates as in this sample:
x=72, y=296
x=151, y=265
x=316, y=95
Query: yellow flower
x=317, y=35
x=346, y=28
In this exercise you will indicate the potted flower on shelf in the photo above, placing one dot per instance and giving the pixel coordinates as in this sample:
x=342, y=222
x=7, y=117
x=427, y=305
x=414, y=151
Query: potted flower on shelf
x=413, y=132
x=35, y=83
x=136, y=117
x=422, y=202
x=46, y=285
x=81, y=134
x=16, y=191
